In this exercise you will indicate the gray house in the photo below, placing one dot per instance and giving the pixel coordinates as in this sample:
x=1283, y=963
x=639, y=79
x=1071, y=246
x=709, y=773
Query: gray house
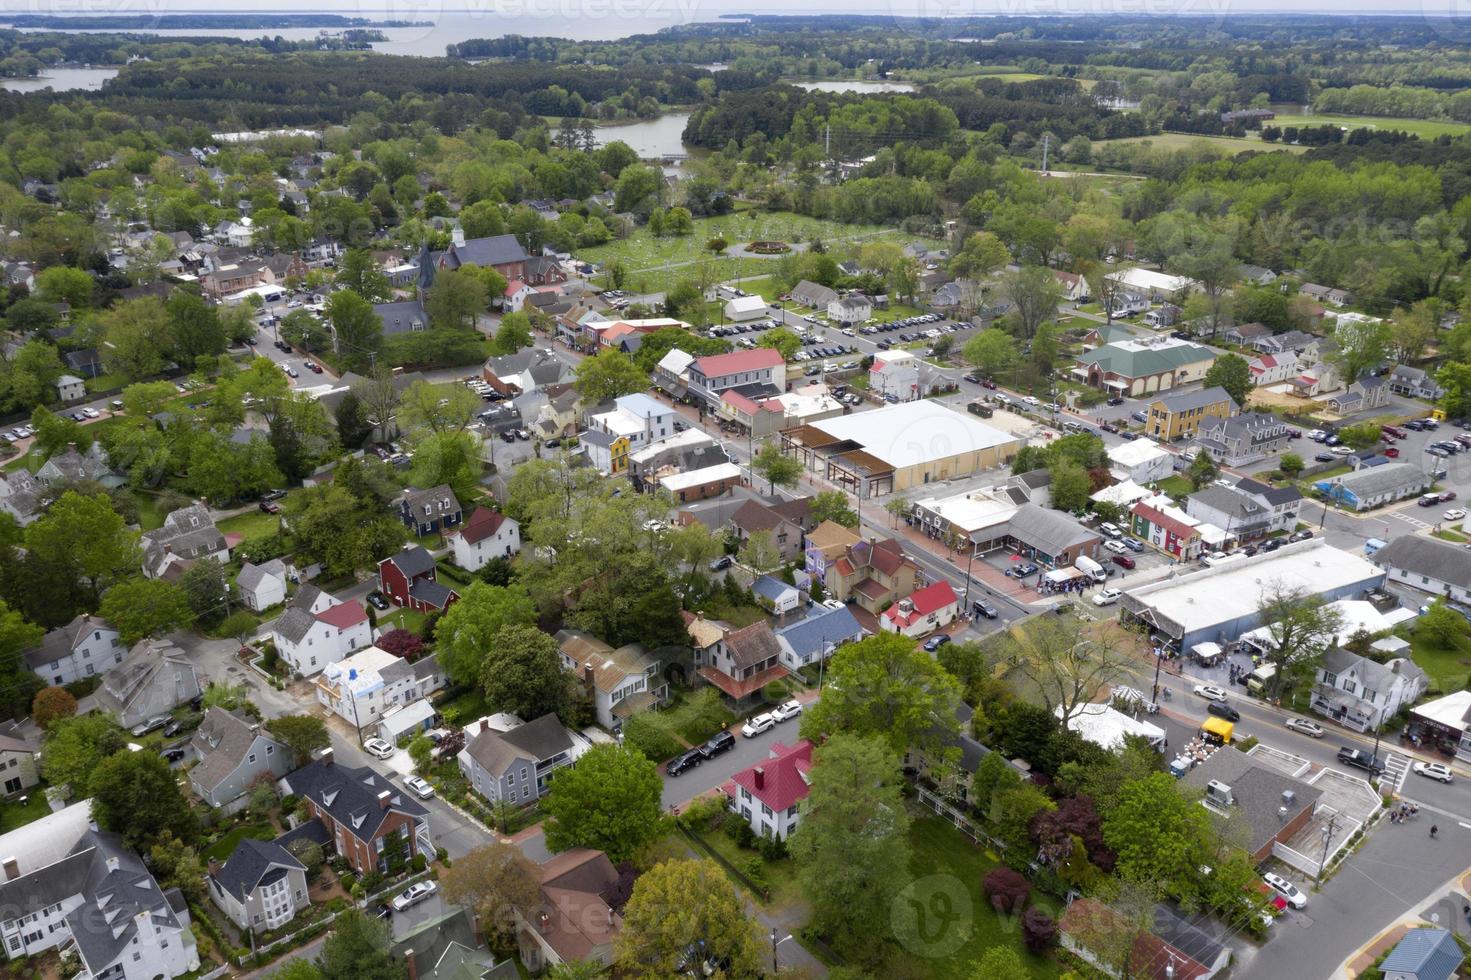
x=1414, y=383
x=517, y=766
x=813, y=294
x=261, y=886
x=233, y=753
x=155, y=679
x=86, y=646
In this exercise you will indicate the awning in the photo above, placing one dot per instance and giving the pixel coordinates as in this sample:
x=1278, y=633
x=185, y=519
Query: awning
x=1117, y=385
x=1207, y=651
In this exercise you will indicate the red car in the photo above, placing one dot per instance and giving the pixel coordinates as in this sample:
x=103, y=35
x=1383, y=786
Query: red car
x=1392, y=452
x=988, y=384
x=1123, y=561
x=1447, y=495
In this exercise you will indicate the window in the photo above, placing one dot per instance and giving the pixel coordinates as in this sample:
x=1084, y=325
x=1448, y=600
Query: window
x=252, y=757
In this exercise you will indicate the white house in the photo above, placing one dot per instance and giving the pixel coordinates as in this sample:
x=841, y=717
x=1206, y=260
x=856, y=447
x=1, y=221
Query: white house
x=1143, y=461
x=1361, y=694
x=262, y=886
x=71, y=388
x=1271, y=369
x=850, y=310
x=317, y=629
x=86, y=646
x=1158, y=286
x=742, y=308
x=817, y=635
x=763, y=367
x=769, y=794
x=367, y=685
x=922, y=611
x=776, y=596
x=1429, y=565
x=187, y=535
x=895, y=373
x=619, y=682
x=637, y=417
x=487, y=534
x=262, y=586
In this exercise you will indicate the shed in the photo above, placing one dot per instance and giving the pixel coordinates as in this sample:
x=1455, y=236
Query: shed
x=416, y=716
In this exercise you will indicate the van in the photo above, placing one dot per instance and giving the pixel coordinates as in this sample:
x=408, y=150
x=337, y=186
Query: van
x=1257, y=680
x=1429, y=500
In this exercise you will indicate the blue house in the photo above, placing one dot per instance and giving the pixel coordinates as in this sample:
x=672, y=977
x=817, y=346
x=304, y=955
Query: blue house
x=1424, y=954
x=431, y=511
x=817, y=636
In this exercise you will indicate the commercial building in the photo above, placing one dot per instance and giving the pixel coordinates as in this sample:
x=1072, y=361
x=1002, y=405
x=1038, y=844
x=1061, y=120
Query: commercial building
x=1181, y=415
x=1376, y=486
x=1219, y=604
x=1158, y=286
x=1144, y=366
x=899, y=447
x=757, y=374
x=1050, y=537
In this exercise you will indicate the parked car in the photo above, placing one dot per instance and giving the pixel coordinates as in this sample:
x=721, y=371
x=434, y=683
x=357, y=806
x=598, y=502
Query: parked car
x=1324, y=458
x=377, y=601
x=1022, y=571
x=1302, y=535
x=1360, y=759
x=984, y=609
x=719, y=743
x=378, y=748
x=1446, y=496
x=151, y=725
x=419, y=787
x=1433, y=770
x=1210, y=692
x=721, y=563
x=1454, y=514
x=1117, y=547
x=1107, y=597
x=413, y=895
x=1304, y=727
x=174, y=755
x=1134, y=545
x=787, y=710
x=936, y=642
x=1123, y=561
x=176, y=726
x=269, y=507
x=763, y=722
x=1286, y=889
x=1222, y=710
x=685, y=762
x=1111, y=529
x=1391, y=452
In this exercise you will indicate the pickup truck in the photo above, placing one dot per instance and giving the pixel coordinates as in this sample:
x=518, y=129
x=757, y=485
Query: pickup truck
x=1360, y=759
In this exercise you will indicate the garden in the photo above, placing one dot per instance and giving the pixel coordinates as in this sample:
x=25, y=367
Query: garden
x=690, y=719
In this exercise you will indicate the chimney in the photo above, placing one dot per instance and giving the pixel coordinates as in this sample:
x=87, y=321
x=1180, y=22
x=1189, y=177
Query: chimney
x=326, y=757
x=587, y=675
x=383, y=798
x=112, y=863
x=760, y=775
x=485, y=724
x=12, y=868
x=413, y=967
x=213, y=866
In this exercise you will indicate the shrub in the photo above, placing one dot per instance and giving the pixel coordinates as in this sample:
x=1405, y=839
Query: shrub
x=1039, y=932
x=647, y=735
x=419, y=863
x=772, y=848
x=1006, y=890
x=703, y=814
x=755, y=872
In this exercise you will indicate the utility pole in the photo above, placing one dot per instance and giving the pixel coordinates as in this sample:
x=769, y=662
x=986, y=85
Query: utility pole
x=1046, y=140
x=775, y=967
x=1327, y=832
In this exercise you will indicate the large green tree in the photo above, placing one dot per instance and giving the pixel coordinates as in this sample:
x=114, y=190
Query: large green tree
x=608, y=375
x=1230, y=371
x=360, y=948
x=359, y=272
x=992, y=352
x=609, y=801
x=302, y=734
x=1301, y=627
x=143, y=607
x=775, y=467
x=522, y=673
x=885, y=687
x=1158, y=834
x=83, y=537
x=456, y=299
x=72, y=748
x=467, y=628
x=682, y=905
x=136, y=794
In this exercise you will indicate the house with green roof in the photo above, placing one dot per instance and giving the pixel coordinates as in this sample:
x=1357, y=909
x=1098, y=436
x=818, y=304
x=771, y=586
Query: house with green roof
x=1143, y=365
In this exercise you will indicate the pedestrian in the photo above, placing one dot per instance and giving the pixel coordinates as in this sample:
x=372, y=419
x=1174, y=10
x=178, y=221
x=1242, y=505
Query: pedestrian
x=1394, y=816
x=1414, y=809
x=1433, y=831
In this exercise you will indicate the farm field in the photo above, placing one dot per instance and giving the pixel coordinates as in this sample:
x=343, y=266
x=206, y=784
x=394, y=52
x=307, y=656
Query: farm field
x=1424, y=128
x=1183, y=141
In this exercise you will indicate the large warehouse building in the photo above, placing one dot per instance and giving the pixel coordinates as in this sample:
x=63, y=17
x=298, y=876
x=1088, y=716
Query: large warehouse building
x=899, y=447
x=1217, y=605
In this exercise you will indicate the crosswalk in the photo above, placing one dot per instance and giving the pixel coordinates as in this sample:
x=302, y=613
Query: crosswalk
x=1396, y=768
x=1412, y=521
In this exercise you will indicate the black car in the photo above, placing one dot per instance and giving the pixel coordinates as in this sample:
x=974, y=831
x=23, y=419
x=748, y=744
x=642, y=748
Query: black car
x=721, y=563
x=1325, y=458
x=380, y=911
x=984, y=609
x=376, y=600
x=1360, y=759
x=172, y=755
x=176, y=727
x=685, y=762
x=1271, y=545
x=1225, y=711
x=1115, y=400
x=718, y=745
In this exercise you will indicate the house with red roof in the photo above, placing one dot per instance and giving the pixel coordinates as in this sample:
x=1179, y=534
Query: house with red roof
x=318, y=629
x=1272, y=369
x=487, y=534
x=758, y=374
x=874, y=574
x=1166, y=527
x=922, y=611
x=768, y=794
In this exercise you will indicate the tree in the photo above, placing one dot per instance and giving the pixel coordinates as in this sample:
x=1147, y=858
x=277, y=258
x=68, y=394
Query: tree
x=1442, y=626
x=144, y=607
x=1291, y=464
x=195, y=328
x=457, y=299
x=357, y=331
x=351, y=417
x=1039, y=931
x=1230, y=371
x=1065, y=664
x=1361, y=435
x=401, y=643
x=979, y=256
x=636, y=184
x=679, y=906
x=134, y=338
x=833, y=505
x=885, y=687
x=1362, y=344
x=85, y=539
x=206, y=588
x=854, y=833
x=1202, y=469
x=297, y=969
x=177, y=865
x=136, y=795
x=991, y=352
x=467, y=627
x=1006, y=890
x=437, y=407
x=495, y=881
x=775, y=467
x=60, y=284
x=609, y=801
x=360, y=948
x=608, y=375
x=998, y=963
x=359, y=272
x=522, y=673
x=52, y=703
x=1158, y=833
x=302, y=734
x=448, y=457
x=1035, y=293
x=72, y=747
x=1070, y=486
x=482, y=220
x=781, y=340
x=513, y=334
x=1300, y=627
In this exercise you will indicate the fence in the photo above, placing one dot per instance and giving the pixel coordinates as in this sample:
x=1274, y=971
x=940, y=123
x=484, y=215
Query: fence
x=960, y=821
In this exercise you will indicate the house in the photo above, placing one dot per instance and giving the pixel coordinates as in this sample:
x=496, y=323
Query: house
x=260, y=886
x=1049, y=537
x=1074, y=286
x=900, y=375
x=503, y=253
x=86, y=646
x=232, y=754
x=739, y=662
x=369, y=818
x=517, y=766
x=1236, y=784
x=262, y=586
x=1413, y=382
x=1427, y=564
x=187, y=535
x=70, y=388
x=761, y=370
x=408, y=579
x=783, y=522
x=361, y=688
x=1180, y=415
x=619, y=683
x=813, y=295
x=1362, y=694
x=1159, y=523
x=1242, y=517
x=1142, y=461
x=1090, y=930
x=1144, y=366
x=1159, y=287
x=775, y=596
x=639, y=419
x=398, y=725
x=850, y=310
x=1369, y=392
x=317, y=629
x=1244, y=334
x=19, y=755
x=154, y=679
x=100, y=899
x=814, y=637
x=1281, y=504
x=20, y=495
x=1423, y=954
x=741, y=308
x=703, y=483
x=487, y=534
x=768, y=795
x=1255, y=274
x=873, y=574
x=1292, y=340
x=1240, y=439
x=575, y=920
x=431, y=511
x=928, y=609
x=449, y=946
x=670, y=374
x=1325, y=294
x=824, y=545
x=1166, y=315
x=1374, y=487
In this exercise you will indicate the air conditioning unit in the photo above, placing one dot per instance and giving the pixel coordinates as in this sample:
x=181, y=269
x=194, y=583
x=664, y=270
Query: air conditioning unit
x=1218, y=792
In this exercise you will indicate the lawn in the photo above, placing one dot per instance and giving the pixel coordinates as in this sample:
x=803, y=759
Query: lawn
x=251, y=525
x=1447, y=668
x=1228, y=144
x=1447, y=535
x=465, y=708
x=779, y=877
x=225, y=846
x=407, y=619
x=1424, y=128
x=15, y=814
x=1176, y=486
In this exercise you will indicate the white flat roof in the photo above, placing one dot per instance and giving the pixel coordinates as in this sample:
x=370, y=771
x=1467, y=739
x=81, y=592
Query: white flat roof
x=407, y=716
x=680, y=440
x=971, y=511
x=1231, y=591
x=1449, y=711
x=913, y=433
x=698, y=478
x=1149, y=279
x=1354, y=614
x=1136, y=453
x=1107, y=728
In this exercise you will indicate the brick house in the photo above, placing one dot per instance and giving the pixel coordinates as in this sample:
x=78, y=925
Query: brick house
x=408, y=579
x=365, y=813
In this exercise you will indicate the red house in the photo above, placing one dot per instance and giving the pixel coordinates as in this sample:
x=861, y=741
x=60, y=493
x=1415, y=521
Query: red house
x=408, y=579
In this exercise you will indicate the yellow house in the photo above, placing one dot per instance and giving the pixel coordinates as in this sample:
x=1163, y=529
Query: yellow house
x=1178, y=417
x=618, y=455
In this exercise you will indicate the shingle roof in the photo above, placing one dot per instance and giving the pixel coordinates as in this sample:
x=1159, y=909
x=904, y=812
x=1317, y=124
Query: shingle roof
x=541, y=738
x=931, y=598
x=221, y=741
x=783, y=776
x=1381, y=479
x=293, y=624
x=1256, y=792
x=1426, y=556
x=769, y=588
x=254, y=863
x=482, y=524
x=1126, y=362
x=1049, y=531
x=1184, y=401
x=413, y=560
x=431, y=592
x=252, y=576
x=752, y=645
x=720, y=365
x=809, y=635
x=495, y=250
x=59, y=643
x=349, y=794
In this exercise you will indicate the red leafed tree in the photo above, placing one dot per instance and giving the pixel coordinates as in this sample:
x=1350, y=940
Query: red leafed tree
x=1039, y=932
x=52, y=703
x=1006, y=890
x=402, y=643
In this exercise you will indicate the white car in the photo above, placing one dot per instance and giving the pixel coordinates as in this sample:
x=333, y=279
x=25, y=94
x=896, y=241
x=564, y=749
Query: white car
x=787, y=711
x=413, y=895
x=1111, y=529
x=1211, y=693
x=1342, y=450
x=378, y=748
x=1287, y=890
x=1107, y=597
x=1117, y=547
x=761, y=723
x=1433, y=770
x=1454, y=514
x=420, y=787
x=91, y=413
x=1303, y=726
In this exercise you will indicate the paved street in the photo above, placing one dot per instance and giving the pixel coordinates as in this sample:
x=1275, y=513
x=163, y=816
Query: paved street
x=711, y=775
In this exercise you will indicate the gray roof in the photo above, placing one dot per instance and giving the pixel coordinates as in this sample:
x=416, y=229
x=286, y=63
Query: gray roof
x=116, y=889
x=349, y=795
x=221, y=741
x=808, y=636
x=426, y=666
x=1229, y=502
x=253, y=576
x=770, y=588
x=1429, y=954
x=539, y=739
x=1049, y=531
x=1256, y=792
x=294, y=624
x=431, y=592
x=1429, y=557
x=62, y=641
x=122, y=685
x=430, y=502
x=1372, y=675
x=1382, y=479
x=188, y=532
x=1184, y=401
x=254, y=863
x=1256, y=426
x=495, y=250
x=813, y=294
x=1275, y=496
x=412, y=560
x=400, y=317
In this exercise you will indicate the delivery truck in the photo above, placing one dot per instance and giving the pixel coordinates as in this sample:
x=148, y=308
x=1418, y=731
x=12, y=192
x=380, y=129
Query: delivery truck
x=1091, y=568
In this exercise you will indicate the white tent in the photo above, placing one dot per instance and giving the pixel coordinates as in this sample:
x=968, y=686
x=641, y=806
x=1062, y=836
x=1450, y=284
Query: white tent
x=1107, y=728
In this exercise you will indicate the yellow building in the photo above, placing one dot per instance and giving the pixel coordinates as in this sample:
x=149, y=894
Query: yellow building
x=1178, y=417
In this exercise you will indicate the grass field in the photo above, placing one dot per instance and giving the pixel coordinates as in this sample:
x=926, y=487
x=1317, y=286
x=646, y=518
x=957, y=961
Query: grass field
x=15, y=814
x=1448, y=669
x=251, y=525
x=1424, y=128
x=1184, y=141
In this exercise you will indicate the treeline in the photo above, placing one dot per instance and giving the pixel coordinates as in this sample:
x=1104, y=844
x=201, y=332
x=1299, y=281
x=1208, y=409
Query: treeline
x=1412, y=102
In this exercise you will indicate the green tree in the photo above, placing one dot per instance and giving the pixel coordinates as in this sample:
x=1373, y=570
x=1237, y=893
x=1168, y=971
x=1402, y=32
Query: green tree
x=302, y=734
x=885, y=687
x=60, y=284
x=448, y=457
x=522, y=673
x=1035, y=293
x=437, y=407
x=775, y=467
x=854, y=834
x=1361, y=435
x=781, y=340
x=636, y=185
x=1158, y=834
x=1442, y=626
x=608, y=375
x=135, y=341
x=482, y=219
x=1202, y=469
x=136, y=795
x=72, y=748
x=981, y=255
x=467, y=628
x=1065, y=663
x=513, y=334
x=1070, y=486
x=360, y=948
x=683, y=904
x=194, y=327
x=497, y=882
x=457, y=298
x=835, y=506
x=609, y=801
x=1230, y=371
x=991, y=352
x=359, y=272
x=998, y=963
x=1361, y=346
x=1300, y=627
x=143, y=607
x=351, y=416
x=84, y=538
x=177, y=865
x=357, y=330
x=1291, y=464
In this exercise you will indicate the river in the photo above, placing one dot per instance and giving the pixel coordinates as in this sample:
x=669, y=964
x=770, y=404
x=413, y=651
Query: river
x=855, y=85
x=61, y=80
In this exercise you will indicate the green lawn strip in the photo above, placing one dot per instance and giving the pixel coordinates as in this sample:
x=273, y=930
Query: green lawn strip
x=225, y=846
x=1175, y=486
x=15, y=814
x=251, y=525
x=1424, y=128
x=1448, y=668
x=779, y=877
